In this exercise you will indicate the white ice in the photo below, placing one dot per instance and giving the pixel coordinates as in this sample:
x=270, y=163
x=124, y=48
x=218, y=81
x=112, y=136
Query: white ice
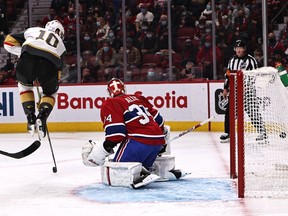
x=30, y=188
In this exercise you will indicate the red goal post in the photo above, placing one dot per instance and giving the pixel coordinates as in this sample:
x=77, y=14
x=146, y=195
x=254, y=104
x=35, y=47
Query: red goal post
x=258, y=106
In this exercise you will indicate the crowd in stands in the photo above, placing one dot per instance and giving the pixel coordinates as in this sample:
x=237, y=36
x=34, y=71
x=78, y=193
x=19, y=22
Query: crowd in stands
x=101, y=37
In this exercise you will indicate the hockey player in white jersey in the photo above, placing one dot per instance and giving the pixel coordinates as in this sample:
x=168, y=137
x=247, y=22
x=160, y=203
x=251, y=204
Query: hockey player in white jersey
x=40, y=52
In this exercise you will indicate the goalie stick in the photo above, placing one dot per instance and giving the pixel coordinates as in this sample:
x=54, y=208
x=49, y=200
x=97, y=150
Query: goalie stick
x=29, y=150
x=191, y=129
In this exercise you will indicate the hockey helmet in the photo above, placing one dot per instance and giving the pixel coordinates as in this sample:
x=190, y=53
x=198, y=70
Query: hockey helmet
x=116, y=87
x=240, y=43
x=56, y=27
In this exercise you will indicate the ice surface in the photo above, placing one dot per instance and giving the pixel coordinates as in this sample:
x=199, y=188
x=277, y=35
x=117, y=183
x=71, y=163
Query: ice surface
x=30, y=188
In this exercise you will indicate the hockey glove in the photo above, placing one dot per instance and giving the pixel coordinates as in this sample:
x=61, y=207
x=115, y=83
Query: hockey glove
x=94, y=154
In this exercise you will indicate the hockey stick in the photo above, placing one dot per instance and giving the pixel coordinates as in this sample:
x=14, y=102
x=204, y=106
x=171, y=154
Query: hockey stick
x=191, y=129
x=29, y=150
x=54, y=169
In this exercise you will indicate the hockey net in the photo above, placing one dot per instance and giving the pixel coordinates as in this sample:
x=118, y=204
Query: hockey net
x=259, y=125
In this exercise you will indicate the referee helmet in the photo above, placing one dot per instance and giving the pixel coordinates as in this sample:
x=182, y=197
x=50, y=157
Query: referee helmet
x=240, y=43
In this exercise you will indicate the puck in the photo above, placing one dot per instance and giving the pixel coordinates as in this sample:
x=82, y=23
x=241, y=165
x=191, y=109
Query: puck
x=54, y=169
x=282, y=135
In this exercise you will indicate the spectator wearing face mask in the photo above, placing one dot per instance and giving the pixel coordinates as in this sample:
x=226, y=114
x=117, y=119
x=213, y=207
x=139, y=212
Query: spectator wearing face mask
x=87, y=43
x=103, y=29
x=114, y=40
x=162, y=26
x=204, y=58
x=207, y=13
x=153, y=75
x=106, y=59
x=69, y=22
x=149, y=42
x=144, y=15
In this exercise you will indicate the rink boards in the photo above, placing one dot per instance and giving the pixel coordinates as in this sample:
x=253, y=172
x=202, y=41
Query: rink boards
x=77, y=107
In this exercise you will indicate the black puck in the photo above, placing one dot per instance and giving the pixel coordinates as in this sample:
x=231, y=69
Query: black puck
x=282, y=135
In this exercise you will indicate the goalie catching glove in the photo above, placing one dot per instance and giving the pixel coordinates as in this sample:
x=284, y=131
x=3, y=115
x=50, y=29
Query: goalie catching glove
x=94, y=153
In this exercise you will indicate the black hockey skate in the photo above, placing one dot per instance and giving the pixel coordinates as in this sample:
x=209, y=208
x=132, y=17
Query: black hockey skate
x=144, y=180
x=41, y=122
x=31, y=120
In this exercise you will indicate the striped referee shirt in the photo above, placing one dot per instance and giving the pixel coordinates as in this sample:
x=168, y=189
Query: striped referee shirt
x=247, y=62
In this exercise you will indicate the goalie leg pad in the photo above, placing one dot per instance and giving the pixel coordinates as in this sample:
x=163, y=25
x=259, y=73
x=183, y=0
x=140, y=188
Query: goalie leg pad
x=164, y=167
x=167, y=138
x=120, y=173
x=126, y=174
x=166, y=149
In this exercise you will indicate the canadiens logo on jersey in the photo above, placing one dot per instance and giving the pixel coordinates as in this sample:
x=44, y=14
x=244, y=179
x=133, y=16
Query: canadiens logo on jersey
x=132, y=116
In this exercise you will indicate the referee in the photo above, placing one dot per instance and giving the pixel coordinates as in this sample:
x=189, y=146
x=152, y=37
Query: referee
x=243, y=61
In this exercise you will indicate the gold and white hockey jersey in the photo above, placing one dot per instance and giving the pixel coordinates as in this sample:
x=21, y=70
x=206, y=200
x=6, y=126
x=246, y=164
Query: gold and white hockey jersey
x=37, y=41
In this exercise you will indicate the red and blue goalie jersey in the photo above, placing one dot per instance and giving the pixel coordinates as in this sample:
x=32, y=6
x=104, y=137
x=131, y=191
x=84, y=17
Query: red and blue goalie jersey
x=132, y=117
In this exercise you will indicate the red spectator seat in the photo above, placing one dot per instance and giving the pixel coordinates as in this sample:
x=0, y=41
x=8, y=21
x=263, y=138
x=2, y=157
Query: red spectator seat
x=186, y=31
x=177, y=60
x=150, y=60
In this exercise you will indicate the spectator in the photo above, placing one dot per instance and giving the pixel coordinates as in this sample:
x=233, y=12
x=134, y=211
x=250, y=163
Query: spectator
x=89, y=26
x=144, y=15
x=283, y=36
x=207, y=13
x=239, y=6
x=189, y=53
x=200, y=27
x=87, y=43
x=106, y=59
x=103, y=29
x=258, y=55
x=88, y=60
x=273, y=45
x=149, y=42
x=152, y=75
x=87, y=76
x=114, y=40
x=241, y=24
x=60, y=7
x=204, y=58
x=163, y=24
x=160, y=9
x=51, y=16
x=133, y=58
x=5, y=79
x=279, y=58
x=69, y=22
x=163, y=40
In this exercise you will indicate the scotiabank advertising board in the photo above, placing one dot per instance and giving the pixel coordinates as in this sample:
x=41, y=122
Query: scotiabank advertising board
x=82, y=103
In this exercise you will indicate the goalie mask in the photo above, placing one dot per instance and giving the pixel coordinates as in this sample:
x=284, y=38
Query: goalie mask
x=116, y=87
x=56, y=27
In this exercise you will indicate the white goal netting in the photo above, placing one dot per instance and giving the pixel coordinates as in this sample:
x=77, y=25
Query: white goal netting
x=265, y=102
